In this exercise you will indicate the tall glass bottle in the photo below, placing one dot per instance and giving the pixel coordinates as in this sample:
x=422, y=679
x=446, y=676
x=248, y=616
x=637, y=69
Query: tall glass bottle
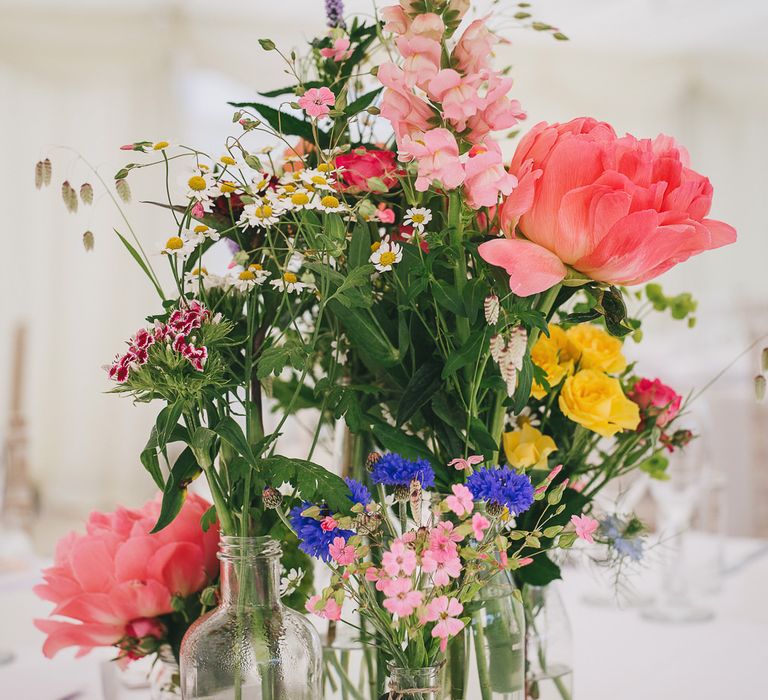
x=251, y=647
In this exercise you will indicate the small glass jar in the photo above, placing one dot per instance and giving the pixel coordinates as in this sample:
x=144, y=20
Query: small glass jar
x=251, y=647
x=164, y=676
x=413, y=684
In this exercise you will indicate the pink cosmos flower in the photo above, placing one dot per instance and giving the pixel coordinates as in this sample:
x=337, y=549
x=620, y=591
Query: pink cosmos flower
x=330, y=609
x=421, y=59
x=585, y=527
x=656, y=400
x=617, y=210
x=317, y=102
x=479, y=525
x=340, y=50
x=443, y=568
x=458, y=95
x=401, y=600
x=444, y=611
x=342, y=553
x=461, y=501
x=328, y=524
x=407, y=113
x=460, y=463
x=437, y=154
x=399, y=560
x=475, y=48
x=486, y=178
x=117, y=579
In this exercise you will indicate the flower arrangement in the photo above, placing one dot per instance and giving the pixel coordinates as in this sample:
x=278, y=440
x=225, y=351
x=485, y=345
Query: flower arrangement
x=465, y=317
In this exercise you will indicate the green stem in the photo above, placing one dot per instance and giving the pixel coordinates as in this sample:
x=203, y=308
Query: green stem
x=456, y=226
x=348, y=688
x=483, y=676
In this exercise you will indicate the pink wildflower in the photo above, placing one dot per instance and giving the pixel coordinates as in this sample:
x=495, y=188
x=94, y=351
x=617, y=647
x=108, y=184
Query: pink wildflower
x=401, y=600
x=479, y=525
x=443, y=568
x=341, y=552
x=339, y=52
x=444, y=611
x=585, y=527
x=329, y=609
x=399, y=560
x=461, y=501
x=316, y=102
x=328, y=524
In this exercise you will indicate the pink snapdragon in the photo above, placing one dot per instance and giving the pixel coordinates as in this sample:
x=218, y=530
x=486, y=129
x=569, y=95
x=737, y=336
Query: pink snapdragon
x=461, y=501
x=401, y=599
x=585, y=527
x=486, y=177
x=408, y=113
x=457, y=94
x=437, y=155
x=421, y=59
x=479, y=525
x=428, y=25
x=475, y=48
x=329, y=609
x=395, y=19
x=465, y=464
x=317, y=102
x=399, y=560
x=340, y=50
x=444, y=611
x=495, y=111
x=342, y=553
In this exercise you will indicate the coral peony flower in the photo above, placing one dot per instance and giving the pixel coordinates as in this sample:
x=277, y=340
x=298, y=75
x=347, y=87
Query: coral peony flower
x=528, y=447
x=117, y=579
x=585, y=527
x=486, y=177
x=618, y=210
x=360, y=165
x=596, y=401
x=656, y=400
x=437, y=155
x=340, y=50
x=317, y=102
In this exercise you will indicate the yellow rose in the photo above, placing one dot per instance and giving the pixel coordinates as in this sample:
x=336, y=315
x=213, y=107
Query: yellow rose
x=595, y=349
x=596, y=401
x=528, y=447
x=554, y=355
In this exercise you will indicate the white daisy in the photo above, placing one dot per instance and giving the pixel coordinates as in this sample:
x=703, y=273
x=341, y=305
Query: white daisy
x=316, y=179
x=418, y=218
x=290, y=581
x=262, y=213
x=225, y=188
x=199, y=183
x=200, y=279
x=329, y=203
x=289, y=282
x=178, y=246
x=249, y=278
x=385, y=255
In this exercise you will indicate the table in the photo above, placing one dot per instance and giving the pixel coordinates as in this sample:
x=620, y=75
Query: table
x=617, y=654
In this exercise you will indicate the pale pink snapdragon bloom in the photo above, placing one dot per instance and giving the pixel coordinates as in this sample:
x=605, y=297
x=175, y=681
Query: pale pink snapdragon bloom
x=496, y=110
x=474, y=50
x=486, y=177
x=428, y=25
x=460, y=502
x=401, y=599
x=458, y=95
x=437, y=155
x=421, y=59
x=407, y=112
x=395, y=19
x=444, y=611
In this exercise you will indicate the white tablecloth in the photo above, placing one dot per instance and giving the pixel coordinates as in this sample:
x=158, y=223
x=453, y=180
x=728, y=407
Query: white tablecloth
x=617, y=654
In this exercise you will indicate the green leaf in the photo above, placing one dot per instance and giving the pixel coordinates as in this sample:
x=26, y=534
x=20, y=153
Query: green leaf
x=374, y=347
x=150, y=460
x=447, y=296
x=423, y=384
x=229, y=430
x=166, y=422
x=290, y=89
x=566, y=540
x=135, y=254
x=348, y=292
x=208, y=519
x=524, y=384
x=202, y=440
x=184, y=471
x=312, y=482
x=540, y=572
x=360, y=245
x=464, y=355
x=395, y=440
x=362, y=102
x=286, y=124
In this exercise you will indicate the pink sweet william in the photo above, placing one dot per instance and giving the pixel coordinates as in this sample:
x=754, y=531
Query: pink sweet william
x=460, y=502
x=317, y=102
x=437, y=155
x=444, y=611
x=585, y=527
x=114, y=582
x=656, y=400
x=617, y=210
x=401, y=600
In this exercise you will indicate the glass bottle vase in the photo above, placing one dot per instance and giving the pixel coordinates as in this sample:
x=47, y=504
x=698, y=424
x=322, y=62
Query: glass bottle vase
x=413, y=684
x=251, y=647
x=549, y=645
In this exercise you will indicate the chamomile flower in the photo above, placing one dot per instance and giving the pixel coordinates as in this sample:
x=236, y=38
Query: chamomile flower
x=249, y=278
x=199, y=183
x=316, y=179
x=329, y=203
x=225, y=188
x=386, y=255
x=299, y=199
x=417, y=218
x=200, y=232
x=261, y=213
x=179, y=247
x=200, y=279
x=289, y=282
x=290, y=581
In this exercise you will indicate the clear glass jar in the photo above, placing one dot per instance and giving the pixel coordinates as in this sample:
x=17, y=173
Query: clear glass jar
x=413, y=684
x=549, y=644
x=487, y=660
x=251, y=647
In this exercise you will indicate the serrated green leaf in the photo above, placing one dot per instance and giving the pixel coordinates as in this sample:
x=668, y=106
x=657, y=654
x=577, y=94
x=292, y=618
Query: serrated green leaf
x=286, y=124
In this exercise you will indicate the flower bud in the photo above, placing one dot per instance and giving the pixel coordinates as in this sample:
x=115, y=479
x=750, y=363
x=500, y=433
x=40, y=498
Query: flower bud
x=402, y=493
x=273, y=499
x=371, y=460
x=209, y=596
x=764, y=360
x=760, y=385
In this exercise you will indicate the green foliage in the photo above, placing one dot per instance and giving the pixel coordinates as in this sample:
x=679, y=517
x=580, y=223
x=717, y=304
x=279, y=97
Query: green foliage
x=681, y=306
x=311, y=481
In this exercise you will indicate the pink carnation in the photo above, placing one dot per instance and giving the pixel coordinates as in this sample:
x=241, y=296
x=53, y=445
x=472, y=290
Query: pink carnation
x=656, y=400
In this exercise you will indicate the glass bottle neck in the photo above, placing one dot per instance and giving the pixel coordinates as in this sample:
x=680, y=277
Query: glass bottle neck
x=250, y=571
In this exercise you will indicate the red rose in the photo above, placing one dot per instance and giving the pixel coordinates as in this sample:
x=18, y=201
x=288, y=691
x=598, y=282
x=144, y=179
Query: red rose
x=361, y=164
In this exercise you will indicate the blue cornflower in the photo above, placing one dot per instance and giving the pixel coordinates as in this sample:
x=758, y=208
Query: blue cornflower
x=633, y=549
x=394, y=470
x=503, y=486
x=360, y=494
x=313, y=540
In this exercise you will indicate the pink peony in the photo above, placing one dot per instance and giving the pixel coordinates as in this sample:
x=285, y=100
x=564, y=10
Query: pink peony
x=437, y=155
x=585, y=527
x=444, y=611
x=618, y=210
x=486, y=178
x=117, y=579
x=407, y=113
x=317, y=102
x=401, y=600
x=461, y=501
x=340, y=50
x=361, y=164
x=656, y=400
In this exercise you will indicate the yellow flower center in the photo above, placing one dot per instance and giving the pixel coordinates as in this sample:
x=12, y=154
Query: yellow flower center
x=324, y=167
x=319, y=180
x=247, y=275
x=203, y=167
x=160, y=145
x=417, y=218
x=329, y=201
x=255, y=267
x=387, y=258
x=375, y=246
x=174, y=243
x=197, y=183
x=262, y=185
x=228, y=160
x=290, y=277
x=200, y=228
x=290, y=188
x=227, y=187
x=299, y=199
x=199, y=271
x=264, y=211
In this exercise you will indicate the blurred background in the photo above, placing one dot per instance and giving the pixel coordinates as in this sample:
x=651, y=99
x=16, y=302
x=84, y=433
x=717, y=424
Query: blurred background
x=85, y=76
